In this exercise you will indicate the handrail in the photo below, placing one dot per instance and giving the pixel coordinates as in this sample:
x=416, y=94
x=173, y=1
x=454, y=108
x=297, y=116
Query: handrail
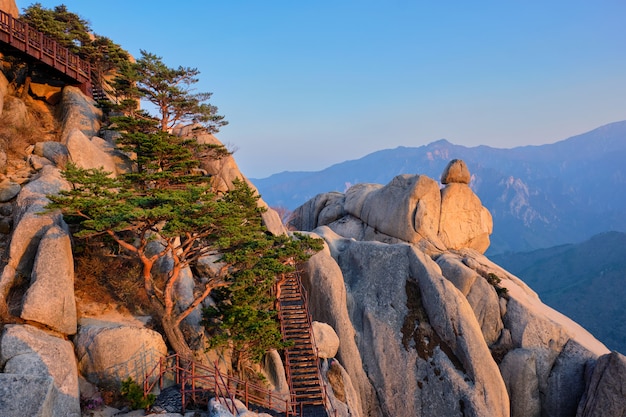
x=25, y=38
x=194, y=378
x=305, y=304
x=305, y=297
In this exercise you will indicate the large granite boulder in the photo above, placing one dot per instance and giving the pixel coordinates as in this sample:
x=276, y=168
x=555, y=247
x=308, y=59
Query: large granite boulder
x=27, y=351
x=327, y=294
x=26, y=395
x=605, y=394
x=94, y=153
x=8, y=190
x=321, y=210
x=464, y=222
x=456, y=171
x=50, y=296
x=31, y=222
x=326, y=340
x=55, y=152
x=78, y=112
x=411, y=208
x=407, y=208
x=519, y=371
x=136, y=351
x=415, y=333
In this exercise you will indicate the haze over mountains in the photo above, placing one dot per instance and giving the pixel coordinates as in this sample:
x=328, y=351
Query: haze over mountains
x=584, y=281
x=539, y=196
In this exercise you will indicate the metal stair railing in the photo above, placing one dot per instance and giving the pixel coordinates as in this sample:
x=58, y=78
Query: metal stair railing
x=196, y=379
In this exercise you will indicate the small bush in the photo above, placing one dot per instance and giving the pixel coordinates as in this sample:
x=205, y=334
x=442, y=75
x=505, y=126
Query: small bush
x=495, y=280
x=133, y=393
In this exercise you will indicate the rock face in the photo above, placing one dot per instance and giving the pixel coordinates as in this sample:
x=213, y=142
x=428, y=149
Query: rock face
x=411, y=208
x=606, y=388
x=326, y=340
x=136, y=351
x=50, y=296
x=29, y=353
x=429, y=324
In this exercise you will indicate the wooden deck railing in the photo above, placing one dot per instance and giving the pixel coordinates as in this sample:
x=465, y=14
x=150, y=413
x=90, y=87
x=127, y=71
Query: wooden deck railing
x=197, y=380
x=21, y=36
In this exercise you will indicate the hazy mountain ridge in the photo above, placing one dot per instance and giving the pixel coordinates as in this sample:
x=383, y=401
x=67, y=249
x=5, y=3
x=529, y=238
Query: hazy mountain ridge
x=583, y=281
x=539, y=196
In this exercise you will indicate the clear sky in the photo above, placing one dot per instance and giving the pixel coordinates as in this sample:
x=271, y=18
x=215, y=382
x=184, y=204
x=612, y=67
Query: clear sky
x=305, y=84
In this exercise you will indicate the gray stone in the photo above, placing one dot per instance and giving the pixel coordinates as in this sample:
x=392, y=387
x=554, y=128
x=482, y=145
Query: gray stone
x=321, y=210
x=90, y=154
x=407, y=208
x=31, y=221
x=485, y=303
x=25, y=350
x=26, y=395
x=50, y=297
x=274, y=370
x=327, y=301
x=78, y=112
x=342, y=395
x=8, y=190
x=519, y=371
x=415, y=333
x=52, y=151
x=38, y=162
x=457, y=272
x=606, y=388
x=326, y=340
x=136, y=351
x=566, y=383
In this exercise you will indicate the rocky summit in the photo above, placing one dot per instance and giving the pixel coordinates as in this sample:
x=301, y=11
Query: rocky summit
x=428, y=326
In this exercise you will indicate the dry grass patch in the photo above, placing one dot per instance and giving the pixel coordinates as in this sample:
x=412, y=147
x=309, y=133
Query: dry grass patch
x=105, y=277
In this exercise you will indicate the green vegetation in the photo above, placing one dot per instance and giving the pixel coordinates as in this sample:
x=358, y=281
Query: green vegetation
x=244, y=317
x=170, y=90
x=73, y=32
x=133, y=393
x=167, y=208
x=495, y=280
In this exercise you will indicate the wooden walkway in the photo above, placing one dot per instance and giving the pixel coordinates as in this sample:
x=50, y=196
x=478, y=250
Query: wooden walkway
x=22, y=37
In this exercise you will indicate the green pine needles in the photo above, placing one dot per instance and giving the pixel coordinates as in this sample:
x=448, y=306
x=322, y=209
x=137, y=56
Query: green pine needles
x=167, y=202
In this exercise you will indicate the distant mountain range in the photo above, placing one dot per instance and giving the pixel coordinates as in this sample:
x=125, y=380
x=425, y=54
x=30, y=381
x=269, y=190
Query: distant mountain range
x=586, y=282
x=539, y=196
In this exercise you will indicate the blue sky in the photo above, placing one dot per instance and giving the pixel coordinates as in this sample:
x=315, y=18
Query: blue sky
x=307, y=84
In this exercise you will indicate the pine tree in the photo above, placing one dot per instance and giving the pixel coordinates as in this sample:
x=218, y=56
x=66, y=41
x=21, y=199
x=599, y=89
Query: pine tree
x=170, y=90
x=165, y=200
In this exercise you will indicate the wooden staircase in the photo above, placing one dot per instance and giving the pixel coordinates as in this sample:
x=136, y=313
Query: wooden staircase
x=301, y=360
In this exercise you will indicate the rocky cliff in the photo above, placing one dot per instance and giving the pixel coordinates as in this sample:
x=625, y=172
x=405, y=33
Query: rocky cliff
x=418, y=322
x=428, y=326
